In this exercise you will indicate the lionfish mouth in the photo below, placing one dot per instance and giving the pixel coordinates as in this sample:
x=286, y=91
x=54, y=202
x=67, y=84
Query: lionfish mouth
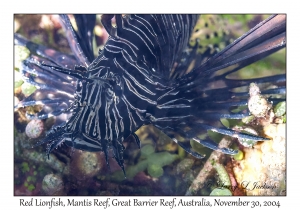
x=147, y=73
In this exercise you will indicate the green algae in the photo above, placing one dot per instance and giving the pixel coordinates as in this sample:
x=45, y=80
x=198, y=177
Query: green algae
x=223, y=175
x=18, y=80
x=153, y=163
x=31, y=187
x=25, y=167
x=221, y=192
x=21, y=53
x=148, y=149
x=239, y=155
x=280, y=109
x=184, y=165
x=28, y=89
x=155, y=170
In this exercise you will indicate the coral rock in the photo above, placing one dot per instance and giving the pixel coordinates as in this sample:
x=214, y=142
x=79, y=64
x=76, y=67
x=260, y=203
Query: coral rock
x=263, y=170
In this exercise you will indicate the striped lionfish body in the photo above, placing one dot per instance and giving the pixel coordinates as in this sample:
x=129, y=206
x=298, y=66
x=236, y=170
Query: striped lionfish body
x=133, y=82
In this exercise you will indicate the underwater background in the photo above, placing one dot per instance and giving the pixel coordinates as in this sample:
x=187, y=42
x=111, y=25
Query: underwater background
x=160, y=167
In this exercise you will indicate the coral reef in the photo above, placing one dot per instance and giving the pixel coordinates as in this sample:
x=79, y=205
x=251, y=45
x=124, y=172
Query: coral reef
x=34, y=128
x=202, y=179
x=257, y=104
x=151, y=161
x=53, y=185
x=262, y=171
x=85, y=165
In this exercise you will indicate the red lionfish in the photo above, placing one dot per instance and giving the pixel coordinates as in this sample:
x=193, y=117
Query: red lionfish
x=134, y=81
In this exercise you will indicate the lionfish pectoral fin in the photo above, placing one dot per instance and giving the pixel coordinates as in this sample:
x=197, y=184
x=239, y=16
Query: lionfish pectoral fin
x=184, y=145
x=85, y=24
x=118, y=149
x=137, y=140
x=105, y=150
x=106, y=22
x=43, y=116
x=187, y=147
x=119, y=160
x=277, y=91
x=74, y=73
x=279, y=79
x=77, y=45
x=33, y=103
x=254, y=54
x=233, y=133
x=214, y=146
x=106, y=158
x=54, y=138
x=45, y=140
x=43, y=52
x=54, y=144
x=264, y=39
x=123, y=169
